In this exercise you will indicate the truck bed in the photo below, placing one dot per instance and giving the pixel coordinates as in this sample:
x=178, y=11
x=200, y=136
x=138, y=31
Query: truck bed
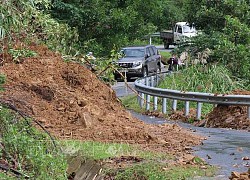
x=167, y=34
x=167, y=37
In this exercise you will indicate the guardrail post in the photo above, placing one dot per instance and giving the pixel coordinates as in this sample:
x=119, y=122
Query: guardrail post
x=152, y=81
x=147, y=81
x=248, y=112
x=164, y=105
x=156, y=79
x=174, y=105
x=198, y=113
x=186, y=108
x=155, y=103
x=147, y=96
x=141, y=99
x=148, y=102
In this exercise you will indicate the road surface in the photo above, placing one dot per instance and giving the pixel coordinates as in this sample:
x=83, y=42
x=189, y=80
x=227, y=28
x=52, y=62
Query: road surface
x=224, y=148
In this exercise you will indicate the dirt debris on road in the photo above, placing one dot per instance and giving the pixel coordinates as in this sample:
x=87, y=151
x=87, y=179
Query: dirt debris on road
x=240, y=176
x=72, y=103
x=234, y=117
x=222, y=116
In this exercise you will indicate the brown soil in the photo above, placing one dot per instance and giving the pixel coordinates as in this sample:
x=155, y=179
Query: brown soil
x=222, y=116
x=72, y=103
x=234, y=117
x=240, y=176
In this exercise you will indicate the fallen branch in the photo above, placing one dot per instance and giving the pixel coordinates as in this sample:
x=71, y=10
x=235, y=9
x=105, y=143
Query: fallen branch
x=17, y=173
x=104, y=70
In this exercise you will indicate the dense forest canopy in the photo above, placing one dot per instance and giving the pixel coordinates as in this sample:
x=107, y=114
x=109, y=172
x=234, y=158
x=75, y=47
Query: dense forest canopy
x=109, y=23
x=226, y=28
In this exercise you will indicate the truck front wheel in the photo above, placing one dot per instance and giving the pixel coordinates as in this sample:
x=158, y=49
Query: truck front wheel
x=166, y=45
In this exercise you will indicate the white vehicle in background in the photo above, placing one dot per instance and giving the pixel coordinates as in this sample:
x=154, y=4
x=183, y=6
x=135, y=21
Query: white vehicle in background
x=182, y=32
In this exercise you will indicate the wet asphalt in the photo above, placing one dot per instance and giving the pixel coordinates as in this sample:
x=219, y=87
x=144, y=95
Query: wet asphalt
x=225, y=148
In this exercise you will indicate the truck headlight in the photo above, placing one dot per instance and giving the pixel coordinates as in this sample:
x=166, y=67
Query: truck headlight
x=135, y=64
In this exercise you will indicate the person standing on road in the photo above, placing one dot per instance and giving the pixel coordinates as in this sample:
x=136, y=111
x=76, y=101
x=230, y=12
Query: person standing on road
x=172, y=61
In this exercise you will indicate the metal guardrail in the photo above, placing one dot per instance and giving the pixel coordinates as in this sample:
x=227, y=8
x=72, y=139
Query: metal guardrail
x=146, y=87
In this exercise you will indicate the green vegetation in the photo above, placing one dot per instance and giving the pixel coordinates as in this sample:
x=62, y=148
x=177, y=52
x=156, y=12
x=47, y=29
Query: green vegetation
x=19, y=54
x=226, y=29
x=165, y=56
x=158, y=171
x=103, y=24
x=31, y=152
x=100, y=151
x=210, y=79
x=153, y=165
x=7, y=176
x=76, y=27
x=131, y=102
x=34, y=25
x=2, y=80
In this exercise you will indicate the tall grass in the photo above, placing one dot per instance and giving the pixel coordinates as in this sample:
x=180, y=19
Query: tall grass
x=104, y=150
x=159, y=171
x=27, y=150
x=213, y=78
x=165, y=56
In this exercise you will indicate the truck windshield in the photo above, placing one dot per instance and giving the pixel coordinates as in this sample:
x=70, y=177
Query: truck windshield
x=133, y=52
x=188, y=29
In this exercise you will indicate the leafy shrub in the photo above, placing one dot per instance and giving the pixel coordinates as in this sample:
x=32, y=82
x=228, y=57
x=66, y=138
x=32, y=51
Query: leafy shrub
x=36, y=25
x=18, y=54
x=226, y=27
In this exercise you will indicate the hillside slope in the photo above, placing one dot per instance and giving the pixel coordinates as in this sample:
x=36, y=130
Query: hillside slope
x=71, y=103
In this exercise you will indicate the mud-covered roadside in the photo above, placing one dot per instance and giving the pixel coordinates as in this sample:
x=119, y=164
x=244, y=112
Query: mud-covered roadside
x=72, y=103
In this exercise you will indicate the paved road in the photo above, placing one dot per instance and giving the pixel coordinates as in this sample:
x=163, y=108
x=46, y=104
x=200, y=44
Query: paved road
x=122, y=89
x=224, y=148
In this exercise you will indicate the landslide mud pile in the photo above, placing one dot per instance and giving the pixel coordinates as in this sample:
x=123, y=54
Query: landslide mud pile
x=222, y=116
x=71, y=103
x=234, y=117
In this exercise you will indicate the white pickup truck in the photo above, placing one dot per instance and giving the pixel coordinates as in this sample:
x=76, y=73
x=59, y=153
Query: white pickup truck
x=182, y=31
